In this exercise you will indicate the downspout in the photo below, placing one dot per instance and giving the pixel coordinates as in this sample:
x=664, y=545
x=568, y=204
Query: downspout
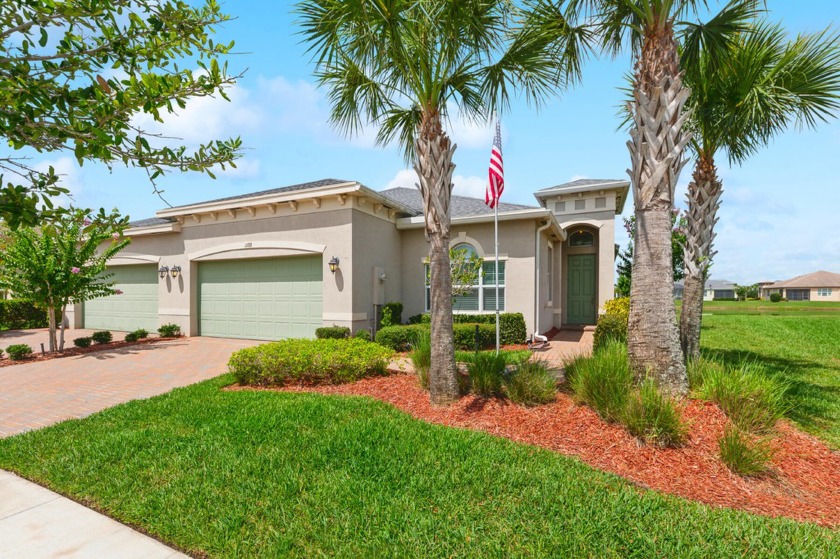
x=537, y=277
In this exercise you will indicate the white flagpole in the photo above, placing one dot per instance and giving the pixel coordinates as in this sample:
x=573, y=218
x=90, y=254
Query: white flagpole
x=496, y=227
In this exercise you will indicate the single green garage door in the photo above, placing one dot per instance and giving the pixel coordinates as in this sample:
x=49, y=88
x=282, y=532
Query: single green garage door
x=260, y=299
x=136, y=307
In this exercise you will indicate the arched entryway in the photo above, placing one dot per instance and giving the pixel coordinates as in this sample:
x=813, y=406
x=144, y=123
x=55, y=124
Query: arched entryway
x=581, y=278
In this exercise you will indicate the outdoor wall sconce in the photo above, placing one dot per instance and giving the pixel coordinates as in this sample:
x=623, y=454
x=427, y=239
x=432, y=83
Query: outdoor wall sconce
x=162, y=271
x=333, y=264
x=174, y=271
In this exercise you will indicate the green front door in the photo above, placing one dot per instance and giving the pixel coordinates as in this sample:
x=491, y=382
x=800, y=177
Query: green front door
x=261, y=299
x=137, y=305
x=581, y=289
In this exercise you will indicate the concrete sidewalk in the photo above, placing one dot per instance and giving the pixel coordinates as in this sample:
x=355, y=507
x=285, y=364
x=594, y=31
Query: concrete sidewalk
x=36, y=523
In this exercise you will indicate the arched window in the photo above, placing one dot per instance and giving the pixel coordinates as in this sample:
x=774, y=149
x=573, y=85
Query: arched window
x=582, y=239
x=470, y=250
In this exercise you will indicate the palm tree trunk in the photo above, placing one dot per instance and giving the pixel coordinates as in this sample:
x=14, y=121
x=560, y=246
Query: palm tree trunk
x=703, y=202
x=434, y=167
x=656, y=147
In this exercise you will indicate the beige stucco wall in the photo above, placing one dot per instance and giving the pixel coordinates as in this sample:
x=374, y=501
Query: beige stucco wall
x=835, y=295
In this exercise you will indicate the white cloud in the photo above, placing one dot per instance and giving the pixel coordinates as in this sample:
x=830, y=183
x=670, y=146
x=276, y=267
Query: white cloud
x=206, y=118
x=70, y=177
x=471, y=186
x=245, y=169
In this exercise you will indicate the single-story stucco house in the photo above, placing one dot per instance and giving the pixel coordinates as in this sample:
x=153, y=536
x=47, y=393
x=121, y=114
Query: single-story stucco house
x=260, y=265
x=718, y=289
x=816, y=286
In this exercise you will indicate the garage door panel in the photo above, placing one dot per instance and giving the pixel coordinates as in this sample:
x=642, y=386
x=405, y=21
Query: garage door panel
x=269, y=298
x=136, y=307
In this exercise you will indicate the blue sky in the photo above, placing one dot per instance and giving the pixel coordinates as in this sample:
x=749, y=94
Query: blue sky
x=780, y=210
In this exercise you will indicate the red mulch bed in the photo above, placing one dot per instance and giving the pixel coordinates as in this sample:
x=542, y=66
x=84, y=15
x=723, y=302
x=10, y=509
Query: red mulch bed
x=71, y=351
x=804, y=484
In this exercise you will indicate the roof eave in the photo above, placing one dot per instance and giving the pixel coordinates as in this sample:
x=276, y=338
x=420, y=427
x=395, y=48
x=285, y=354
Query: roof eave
x=173, y=227
x=419, y=222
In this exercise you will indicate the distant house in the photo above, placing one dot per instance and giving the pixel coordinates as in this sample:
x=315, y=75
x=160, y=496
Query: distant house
x=817, y=286
x=719, y=289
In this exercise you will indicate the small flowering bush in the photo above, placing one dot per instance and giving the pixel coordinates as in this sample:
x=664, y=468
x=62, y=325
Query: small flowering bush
x=320, y=361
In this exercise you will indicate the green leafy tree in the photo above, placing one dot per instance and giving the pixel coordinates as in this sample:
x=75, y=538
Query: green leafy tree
x=63, y=263
x=466, y=268
x=75, y=74
x=763, y=83
x=402, y=65
x=624, y=268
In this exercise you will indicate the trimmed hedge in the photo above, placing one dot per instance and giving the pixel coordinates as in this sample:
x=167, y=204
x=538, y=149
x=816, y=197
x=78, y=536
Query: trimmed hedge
x=400, y=338
x=83, y=342
x=169, y=331
x=512, y=328
x=324, y=361
x=362, y=334
x=102, y=337
x=391, y=314
x=332, y=332
x=18, y=315
x=131, y=337
x=18, y=352
x=775, y=297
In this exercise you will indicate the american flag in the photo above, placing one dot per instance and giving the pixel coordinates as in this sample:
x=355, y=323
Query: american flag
x=496, y=185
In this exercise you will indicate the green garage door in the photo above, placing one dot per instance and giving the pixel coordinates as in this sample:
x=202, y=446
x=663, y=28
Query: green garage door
x=260, y=299
x=136, y=307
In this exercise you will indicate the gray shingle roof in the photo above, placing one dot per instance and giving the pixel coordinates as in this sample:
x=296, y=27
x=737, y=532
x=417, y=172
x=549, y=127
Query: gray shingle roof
x=461, y=206
x=281, y=190
x=149, y=222
x=580, y=182
x=720, y=284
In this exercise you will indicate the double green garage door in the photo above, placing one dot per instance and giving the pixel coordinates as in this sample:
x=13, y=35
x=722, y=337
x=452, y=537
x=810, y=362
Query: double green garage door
x=264, y=299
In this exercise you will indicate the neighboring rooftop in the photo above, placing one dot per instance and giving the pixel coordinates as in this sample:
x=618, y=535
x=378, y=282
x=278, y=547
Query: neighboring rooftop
x=720, y=284
x=812, y=280
x=460, y=206
x=587, y=184
x=150, y=222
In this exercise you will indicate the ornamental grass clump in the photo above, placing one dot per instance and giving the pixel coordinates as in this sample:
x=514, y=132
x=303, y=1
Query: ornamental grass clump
x=421, y=356
x=752, y=400
x=532, y=384
x=743, y=454
x=324, y=361
x=603, y=380
x=487, y=374
x=653, y=417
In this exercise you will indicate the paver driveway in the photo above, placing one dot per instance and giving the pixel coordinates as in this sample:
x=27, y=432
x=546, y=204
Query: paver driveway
x=34, y=395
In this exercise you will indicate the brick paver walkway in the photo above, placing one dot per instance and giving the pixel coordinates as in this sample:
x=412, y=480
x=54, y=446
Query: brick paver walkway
x=34, y=395
x=566, y=345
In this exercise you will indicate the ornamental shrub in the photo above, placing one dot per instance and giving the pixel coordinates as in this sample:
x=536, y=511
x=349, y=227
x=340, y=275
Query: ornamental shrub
x=332, y=332
x=18, y=352
x=131, y=337
x=83, y=342
x=362, y=334
x=512, y=328
x=464, y=336
x=775, y=297
x=19, y=315
x=610, y=328
x=391, y=314
x=619, y=306
x=319, y=361
x=102, y=337
x=141, y=333
x=399, y=338
x=169, y=331
x=416, y=319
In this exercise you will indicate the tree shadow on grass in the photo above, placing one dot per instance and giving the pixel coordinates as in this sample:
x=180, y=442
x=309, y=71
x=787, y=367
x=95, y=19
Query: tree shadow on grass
x=813, y=405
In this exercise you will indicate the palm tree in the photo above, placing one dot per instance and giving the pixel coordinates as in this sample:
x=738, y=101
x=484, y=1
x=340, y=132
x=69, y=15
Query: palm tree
x=402, y=65
x=657, y=141
x=740, y=100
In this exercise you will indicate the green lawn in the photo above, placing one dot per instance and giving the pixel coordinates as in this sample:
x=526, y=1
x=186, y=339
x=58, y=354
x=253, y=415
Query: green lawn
x=782, y=308
x=801, y=348
x=267, y=474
